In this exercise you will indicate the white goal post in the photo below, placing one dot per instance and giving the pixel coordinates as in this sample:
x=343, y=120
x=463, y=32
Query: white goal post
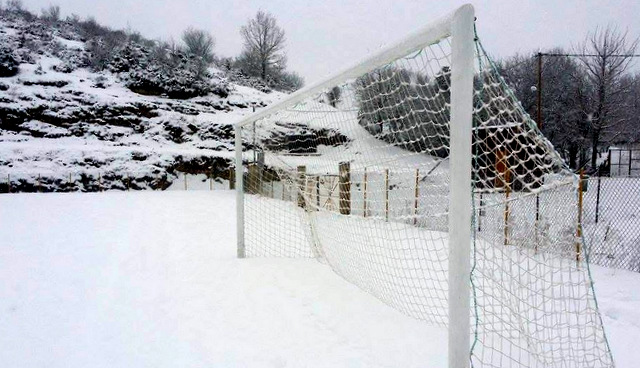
x=415, y=174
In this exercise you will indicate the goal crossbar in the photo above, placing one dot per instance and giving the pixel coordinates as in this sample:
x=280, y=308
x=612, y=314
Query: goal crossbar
x=437, y=30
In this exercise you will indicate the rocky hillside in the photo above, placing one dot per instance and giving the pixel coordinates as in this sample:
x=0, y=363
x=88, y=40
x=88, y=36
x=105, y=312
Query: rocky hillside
x=66, y=126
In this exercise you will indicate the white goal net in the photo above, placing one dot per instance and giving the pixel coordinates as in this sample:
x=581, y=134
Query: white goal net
x=359, y=172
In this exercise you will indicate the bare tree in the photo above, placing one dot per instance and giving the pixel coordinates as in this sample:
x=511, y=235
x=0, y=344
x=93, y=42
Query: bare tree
x=565, y=95
x=263, y=45
x=15, y=5
x=605, y=71
x=74, y=18
x=519, y=71
x=52, y=13
x=630, y=129
x=199, y=43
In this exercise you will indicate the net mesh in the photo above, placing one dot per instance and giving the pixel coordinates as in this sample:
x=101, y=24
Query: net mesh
x=358, y=177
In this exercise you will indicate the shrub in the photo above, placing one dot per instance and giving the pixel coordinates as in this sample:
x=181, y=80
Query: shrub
x=39, y=70
x=176, y=76
x=334, y=96
x=64, y=67
x=127, y=57
x=100, y=82
x=103, y=49
x=9, y=64
x=238, y=77
x=288, y=82
x=146, y=81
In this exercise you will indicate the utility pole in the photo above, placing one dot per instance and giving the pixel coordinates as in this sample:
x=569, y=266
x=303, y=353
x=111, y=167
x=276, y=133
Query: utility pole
x=539, y=90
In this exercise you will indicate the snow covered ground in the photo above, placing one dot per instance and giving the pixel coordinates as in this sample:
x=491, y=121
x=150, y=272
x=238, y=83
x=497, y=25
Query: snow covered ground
x=150, y=279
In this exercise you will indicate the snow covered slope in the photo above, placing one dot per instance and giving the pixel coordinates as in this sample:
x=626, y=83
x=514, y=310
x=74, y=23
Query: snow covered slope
x=60, y=118
x=150, y=279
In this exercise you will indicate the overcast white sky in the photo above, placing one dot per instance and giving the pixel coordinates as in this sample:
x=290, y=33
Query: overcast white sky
x=324, y=36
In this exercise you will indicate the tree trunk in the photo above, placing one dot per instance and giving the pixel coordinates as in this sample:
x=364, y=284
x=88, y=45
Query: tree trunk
x=595, y=141
x=573, y=156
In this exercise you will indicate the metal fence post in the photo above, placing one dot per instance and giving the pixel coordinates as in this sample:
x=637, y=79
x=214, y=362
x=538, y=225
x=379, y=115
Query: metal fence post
x=598, y=200
x=579, y=230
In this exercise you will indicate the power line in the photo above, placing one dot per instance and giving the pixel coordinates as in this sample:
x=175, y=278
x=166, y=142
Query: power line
x=588, y=55
x=530, y=61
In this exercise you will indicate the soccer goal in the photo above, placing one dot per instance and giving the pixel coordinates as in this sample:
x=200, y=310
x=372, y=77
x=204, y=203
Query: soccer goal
x=417, y=176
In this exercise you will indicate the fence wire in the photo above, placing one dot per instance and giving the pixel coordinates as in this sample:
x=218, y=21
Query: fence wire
x=611, y=221
x=611, y=209
x=610, y=214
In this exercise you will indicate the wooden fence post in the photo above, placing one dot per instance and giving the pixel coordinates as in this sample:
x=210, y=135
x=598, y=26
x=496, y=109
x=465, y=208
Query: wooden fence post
x=415, y=205
x=283, y=186
x=302, y=171
x=344, y=186
x=185, y=182
x=253, y=179
x=309, y=189
x=39, y=185
x=272, y=179
x=100, y=182
x=260, y=173
x=8, y=183
x=507, y=178
x=318, y=192
x=232, y=178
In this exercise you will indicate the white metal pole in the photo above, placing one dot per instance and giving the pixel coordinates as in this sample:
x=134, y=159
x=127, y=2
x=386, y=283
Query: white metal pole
x=462, y=71
x=239, y=193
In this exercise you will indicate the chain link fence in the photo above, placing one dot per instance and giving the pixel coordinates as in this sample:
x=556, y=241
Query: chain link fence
x=611, y=207
x=611, y=221
x=106, y=181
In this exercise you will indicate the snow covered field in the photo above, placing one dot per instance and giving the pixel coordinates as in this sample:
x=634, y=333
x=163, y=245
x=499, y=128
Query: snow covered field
x=150, y=279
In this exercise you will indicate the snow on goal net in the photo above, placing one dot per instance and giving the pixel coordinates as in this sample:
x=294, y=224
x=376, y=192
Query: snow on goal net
x=356, y=172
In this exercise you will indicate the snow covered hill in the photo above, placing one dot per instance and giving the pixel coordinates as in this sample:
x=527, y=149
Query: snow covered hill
x=65, y=127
